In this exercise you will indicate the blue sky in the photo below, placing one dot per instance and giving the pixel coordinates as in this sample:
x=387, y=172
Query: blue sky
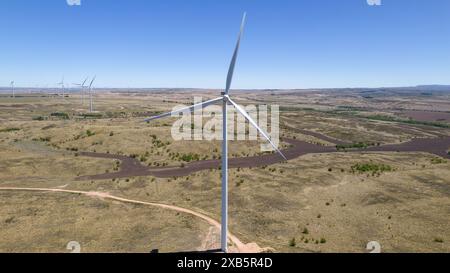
x=189, y=43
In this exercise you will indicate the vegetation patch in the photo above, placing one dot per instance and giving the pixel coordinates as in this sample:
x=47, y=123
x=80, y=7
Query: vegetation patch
x=40, y=118
x=292, y=242
x=239, y=183
x=408, y=121
x=115, y=115
x=352, y=108
x=92, y=116
x=158, y=143
x=359, y=145
x=438, y=160
x=371, y=168
x=89, y=133
x=60, y=115
x=190, y=157
x=49, y=127
x=43, y=139
x=8, y=130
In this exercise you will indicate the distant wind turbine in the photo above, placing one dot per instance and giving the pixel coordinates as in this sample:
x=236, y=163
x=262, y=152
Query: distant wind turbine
x=225, y=100
x=62, y=88
x=12, y=90
x=91, y=103
x=82, y=86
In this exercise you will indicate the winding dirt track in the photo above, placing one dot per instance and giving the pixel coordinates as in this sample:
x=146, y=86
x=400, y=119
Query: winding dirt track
x=238, y=246
x=131, y=167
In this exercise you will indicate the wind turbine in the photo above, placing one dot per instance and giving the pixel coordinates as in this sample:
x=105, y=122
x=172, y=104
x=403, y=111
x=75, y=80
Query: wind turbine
x=12, y=90
x=91, y=103
x=62, y=87
x=225, y=100
x=82, y=86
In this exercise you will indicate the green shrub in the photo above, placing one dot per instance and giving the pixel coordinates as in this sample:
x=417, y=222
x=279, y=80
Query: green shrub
x=92, y=116
x=371, y=168
x=190, y=157
x=292, y=242
x=7, y=130
x=89, y=133
x=238, y=184
x=359, y=145
x=61, y=115
x=43, y=139
x=438, y=160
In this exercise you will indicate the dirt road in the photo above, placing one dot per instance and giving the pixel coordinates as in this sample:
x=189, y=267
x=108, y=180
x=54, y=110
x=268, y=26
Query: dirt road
x=237, y=245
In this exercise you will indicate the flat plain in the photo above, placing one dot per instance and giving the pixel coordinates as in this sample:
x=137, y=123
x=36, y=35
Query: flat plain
x=364, y=165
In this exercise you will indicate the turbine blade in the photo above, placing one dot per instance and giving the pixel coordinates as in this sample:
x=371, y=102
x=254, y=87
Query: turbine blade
x=235, y=55
x=252, y=122
x=92, y=82
x=186, y=109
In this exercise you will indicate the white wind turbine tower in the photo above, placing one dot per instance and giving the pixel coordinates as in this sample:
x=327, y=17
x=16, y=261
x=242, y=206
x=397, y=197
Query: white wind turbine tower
x=91, y=103
x=62, y=88
x=12, y=90
x=82, y=86
x=225, y=100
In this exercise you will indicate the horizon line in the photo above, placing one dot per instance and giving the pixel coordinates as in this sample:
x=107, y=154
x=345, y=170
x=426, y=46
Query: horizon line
x=241, y=89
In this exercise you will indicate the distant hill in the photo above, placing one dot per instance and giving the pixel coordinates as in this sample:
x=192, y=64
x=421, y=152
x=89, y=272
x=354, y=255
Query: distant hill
x=431, y=89
x=435, y=87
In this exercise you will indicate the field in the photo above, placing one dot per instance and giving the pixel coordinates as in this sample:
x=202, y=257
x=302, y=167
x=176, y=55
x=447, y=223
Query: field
x=364, y=165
